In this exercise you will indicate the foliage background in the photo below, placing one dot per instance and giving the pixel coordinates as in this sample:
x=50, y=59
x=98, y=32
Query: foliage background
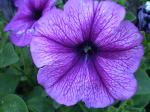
x=19, y=91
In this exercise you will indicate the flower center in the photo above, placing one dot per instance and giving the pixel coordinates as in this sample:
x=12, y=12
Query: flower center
x=87, y=48
x=36, y=15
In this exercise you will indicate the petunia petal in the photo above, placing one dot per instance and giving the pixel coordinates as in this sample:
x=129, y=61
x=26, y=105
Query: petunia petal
x=38, y=4
x=20, y=28
x=46, y=51
x=125, y=37
x=95, y=18
x=18, y=3
x=107, y=17
x=78, y=21
x=74, y=80
x=74, y=23
x=95, y=93
x=59, y=27
x=117, y=70
x=22, y=36
x=81, y=14
x=20, y=19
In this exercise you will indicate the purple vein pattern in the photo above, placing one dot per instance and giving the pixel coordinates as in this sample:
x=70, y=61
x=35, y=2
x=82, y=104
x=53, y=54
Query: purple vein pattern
x=86, y=52
x=22, y=26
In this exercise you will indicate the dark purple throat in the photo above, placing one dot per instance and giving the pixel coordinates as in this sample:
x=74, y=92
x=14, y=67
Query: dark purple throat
x=37, y=14
x=87, y=48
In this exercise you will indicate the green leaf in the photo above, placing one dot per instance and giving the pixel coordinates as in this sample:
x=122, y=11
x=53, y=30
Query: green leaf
x=128, y=106
x=130, y=16
x=36, y=92
x=122, y=2
x=26, y=60
x=143, y=83
x=8, y=83
x=71, y=109
x=40, y=104
x=29, y=70
x=12, y=103
x=8, y=56
x=56, y=105
x=111, y=109
x=136, y=110
x=139, y=101
x=143, y=90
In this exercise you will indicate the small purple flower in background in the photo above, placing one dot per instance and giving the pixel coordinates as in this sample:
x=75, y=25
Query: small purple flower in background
x=87, y=53
x=28, y=13
x=144, y=17
x=8, y=8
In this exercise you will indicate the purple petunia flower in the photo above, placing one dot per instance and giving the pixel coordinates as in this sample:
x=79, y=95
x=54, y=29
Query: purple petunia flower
x=87, y=53
x=23, y=24
x=143, y=17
